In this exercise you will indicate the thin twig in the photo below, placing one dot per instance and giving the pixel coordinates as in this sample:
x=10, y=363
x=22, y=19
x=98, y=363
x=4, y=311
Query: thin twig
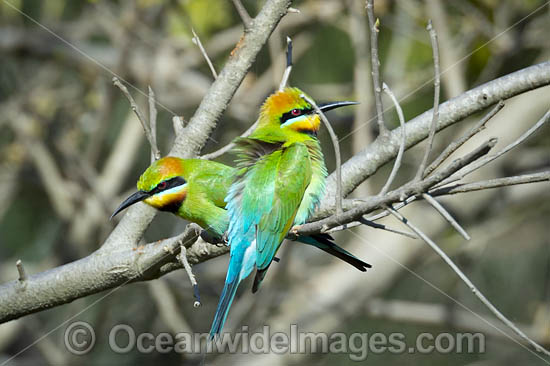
x=397, y=163
x=486, y=160
x=183, y=259
x=137, y=111
x=492, y=183
x=21, y=270
x=435, y=116
x=196, y=40
x=378, y=216
x=375, y=225
x=336, y=145
x=467, y=281
x=433, y=202
x=246, y=19
x=155, y=153
x=288, y=69
x=453, y=146
x=375, y=67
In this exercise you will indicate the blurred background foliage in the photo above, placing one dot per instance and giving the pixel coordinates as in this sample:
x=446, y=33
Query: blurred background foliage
x=71, y=150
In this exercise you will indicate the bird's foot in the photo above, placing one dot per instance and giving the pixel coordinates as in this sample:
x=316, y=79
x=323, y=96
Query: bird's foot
x=214, y=239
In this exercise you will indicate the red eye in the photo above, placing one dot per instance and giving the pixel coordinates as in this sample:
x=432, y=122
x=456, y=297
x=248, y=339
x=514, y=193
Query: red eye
x=295, y=112
x=162, y=185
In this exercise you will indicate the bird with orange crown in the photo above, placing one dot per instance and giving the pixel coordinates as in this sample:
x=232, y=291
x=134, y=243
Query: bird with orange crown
x=279, y=182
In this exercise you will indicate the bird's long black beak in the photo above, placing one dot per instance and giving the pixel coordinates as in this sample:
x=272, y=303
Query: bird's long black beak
x=325, y=107
x=136, y=197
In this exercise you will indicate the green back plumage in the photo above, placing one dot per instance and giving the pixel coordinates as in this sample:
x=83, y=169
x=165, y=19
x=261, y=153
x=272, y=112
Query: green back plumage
x=207, y=186
x=280, y=177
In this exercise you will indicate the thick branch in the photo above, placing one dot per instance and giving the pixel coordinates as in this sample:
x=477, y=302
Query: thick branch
x=95, y=273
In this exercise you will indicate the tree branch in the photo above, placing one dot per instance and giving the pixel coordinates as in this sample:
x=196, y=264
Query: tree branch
x=410, y=189
x=375, y=67
x=397, y=163
x=492, y=183
x=435, y=50
x=97, y=272
x=197, y=41
x=365, y=163
x=111, y=266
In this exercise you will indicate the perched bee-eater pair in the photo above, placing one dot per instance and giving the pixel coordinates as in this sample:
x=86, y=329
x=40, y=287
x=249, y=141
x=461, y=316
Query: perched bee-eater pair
x=278, y=183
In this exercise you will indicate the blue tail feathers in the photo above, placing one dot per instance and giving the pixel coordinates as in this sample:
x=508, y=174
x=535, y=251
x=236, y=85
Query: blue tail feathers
x=241, y=263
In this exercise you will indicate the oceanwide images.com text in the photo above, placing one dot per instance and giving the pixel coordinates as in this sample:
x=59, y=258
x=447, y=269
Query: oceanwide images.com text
x=80, y=338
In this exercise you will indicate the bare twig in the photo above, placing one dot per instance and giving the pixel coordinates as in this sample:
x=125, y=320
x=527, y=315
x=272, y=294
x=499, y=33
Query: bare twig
x=461, y=174
x=155, y=152
x=362, y=86
x=288, y=69
x=453, y=146
x=196, y=40
x=183, y=259
x=375, y=67
x=246, y=19
x=336, y=145
x=138, y=113
x=375, y=225
x=21, y=270
x=467, y=281
x=435, y=49
x=397, y=163
x=492, y=183
x=433, y=202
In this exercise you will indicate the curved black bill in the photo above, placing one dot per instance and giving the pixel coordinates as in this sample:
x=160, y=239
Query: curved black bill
x=325, y=107
x=136, y=197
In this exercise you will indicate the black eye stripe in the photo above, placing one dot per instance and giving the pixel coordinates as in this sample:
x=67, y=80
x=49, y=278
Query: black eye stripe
x=288, y=115
x=170, y=183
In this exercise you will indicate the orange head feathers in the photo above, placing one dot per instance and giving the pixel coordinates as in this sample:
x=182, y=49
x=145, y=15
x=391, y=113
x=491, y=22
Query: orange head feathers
x=162, y=186
x=288, y=111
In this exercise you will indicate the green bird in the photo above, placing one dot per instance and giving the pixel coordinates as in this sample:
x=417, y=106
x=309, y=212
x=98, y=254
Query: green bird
x=279, y=183
x=195, y=190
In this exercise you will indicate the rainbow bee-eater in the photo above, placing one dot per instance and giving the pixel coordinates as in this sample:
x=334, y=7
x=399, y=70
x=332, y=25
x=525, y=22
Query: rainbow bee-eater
x=279, y=183
x=195, y=189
